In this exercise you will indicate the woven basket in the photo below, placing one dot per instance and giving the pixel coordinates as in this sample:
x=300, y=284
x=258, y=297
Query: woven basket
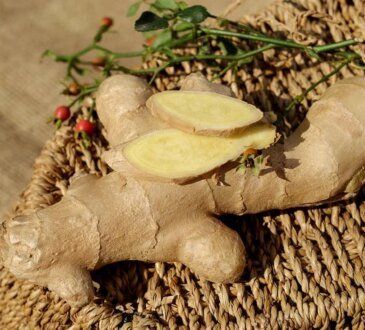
x=306, y=267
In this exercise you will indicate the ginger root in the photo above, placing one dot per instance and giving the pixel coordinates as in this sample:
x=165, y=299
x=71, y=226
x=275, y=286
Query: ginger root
x=122, y=217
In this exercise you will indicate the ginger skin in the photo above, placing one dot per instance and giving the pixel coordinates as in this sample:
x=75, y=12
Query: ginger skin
x=123, y=217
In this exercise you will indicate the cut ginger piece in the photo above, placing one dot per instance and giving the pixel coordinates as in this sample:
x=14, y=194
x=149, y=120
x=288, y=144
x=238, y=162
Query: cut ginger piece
x=203, y=113
x=176, y=155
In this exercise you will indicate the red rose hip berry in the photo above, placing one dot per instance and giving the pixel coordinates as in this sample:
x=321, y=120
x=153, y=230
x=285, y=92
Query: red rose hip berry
x=62, y=113
x=106, y=21
x=73, y=89
x=98, y=61
x=85, y=126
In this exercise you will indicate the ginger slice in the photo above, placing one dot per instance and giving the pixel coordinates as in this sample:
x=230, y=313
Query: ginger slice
x=203, y=113
x=173, y=154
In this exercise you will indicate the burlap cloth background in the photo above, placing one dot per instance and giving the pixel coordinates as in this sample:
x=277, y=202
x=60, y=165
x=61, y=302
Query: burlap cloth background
x=306, y=267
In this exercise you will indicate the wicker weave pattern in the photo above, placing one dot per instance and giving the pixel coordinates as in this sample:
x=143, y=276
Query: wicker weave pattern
x=306, y=268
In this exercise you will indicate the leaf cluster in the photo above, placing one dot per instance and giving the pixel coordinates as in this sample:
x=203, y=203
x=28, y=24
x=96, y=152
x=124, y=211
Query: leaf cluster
x=170, y=16
x=161, y=13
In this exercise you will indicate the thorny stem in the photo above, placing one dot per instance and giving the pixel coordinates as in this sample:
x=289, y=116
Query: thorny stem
x=194, y=36
x=281, y=42
x=300, y=98
x=83, y=93
x=254, y=37
x=188, y=58
x=234, y=58
x=225, y=70
x=119, y=55
x=75, y=56
x=336, y=45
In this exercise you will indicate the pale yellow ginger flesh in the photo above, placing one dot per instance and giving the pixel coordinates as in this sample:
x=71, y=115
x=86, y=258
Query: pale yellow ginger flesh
x=173, y=154
x=205, y=113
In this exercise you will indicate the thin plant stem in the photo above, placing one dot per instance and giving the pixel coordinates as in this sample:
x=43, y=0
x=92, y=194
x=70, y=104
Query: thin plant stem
x=336, y=45
x=299, y=99
x=226, y=69
x=281, y=42
x=188, y=58
x=207, y=57
x=254, y=37
x=193, y=36
x=119, y=55
x=85, y=92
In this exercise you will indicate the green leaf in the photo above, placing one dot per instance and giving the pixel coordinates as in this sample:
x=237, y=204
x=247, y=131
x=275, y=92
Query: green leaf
x=205, y=49
x=312, y=53
x=245, y=61
x=227, y=47
x=148, y=34
x=169, y=52
x=50, y=54
x=194, y=14
x=241, y=168
x=258, y=162
x=132, y=10
x=166, y=4
x=149, y=21
x=183, y=26
x=79, y=70
x=58, y=124
x=162, y=39
x=182, y=5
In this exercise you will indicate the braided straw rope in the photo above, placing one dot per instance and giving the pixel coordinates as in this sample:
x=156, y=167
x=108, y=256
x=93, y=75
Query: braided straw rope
x=306, y=267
